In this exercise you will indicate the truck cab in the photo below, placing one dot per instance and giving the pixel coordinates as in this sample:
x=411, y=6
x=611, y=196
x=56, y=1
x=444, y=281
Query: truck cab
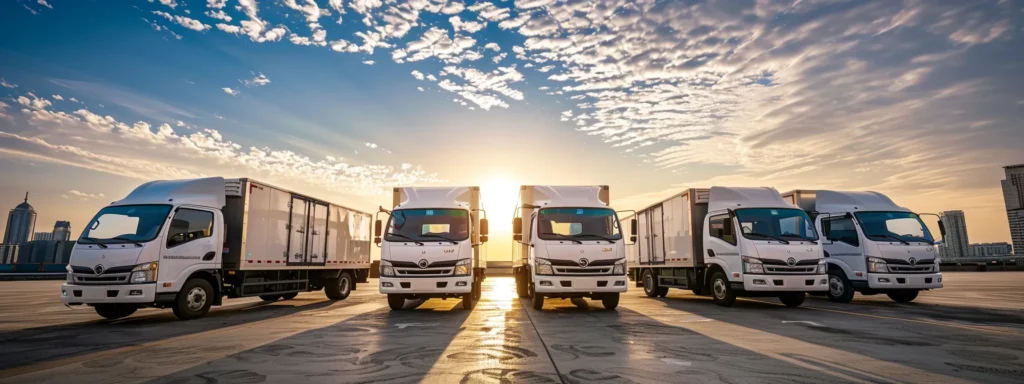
x=430, y=246
x=872, y=245
x=572, y=245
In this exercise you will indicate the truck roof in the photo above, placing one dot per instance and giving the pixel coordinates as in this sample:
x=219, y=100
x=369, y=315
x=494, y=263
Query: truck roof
x=734, y=198
x=850, y=201
x=206, y=192
x=435, y=197
x=565, y=195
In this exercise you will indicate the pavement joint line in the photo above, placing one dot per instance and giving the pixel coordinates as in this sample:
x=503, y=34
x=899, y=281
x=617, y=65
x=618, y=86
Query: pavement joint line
x=38, y=367
x=561, y=379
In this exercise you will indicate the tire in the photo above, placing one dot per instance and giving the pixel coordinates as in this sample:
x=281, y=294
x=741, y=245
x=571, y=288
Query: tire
x=793, y=299
x=114, y=311
x=289, y=296
x=522, y=288
x=469, y=301
x=339, y=288
x=270, y=297
x=478, y=290
x=538, y=299
x=840, y=290
x=396, y=302
x=610, y=301
x=194, y=299
x=903, y=296
x=579, y=302
x=721, y=290
x=651, y=287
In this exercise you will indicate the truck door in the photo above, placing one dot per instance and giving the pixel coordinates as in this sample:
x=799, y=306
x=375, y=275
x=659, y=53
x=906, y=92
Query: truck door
x=190, y=240
x=318, y=218
x=657, y=235
x=298, y=228
x=842, y=243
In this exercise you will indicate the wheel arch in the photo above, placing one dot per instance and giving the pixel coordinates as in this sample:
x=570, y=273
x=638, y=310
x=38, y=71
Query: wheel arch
x=214, y=278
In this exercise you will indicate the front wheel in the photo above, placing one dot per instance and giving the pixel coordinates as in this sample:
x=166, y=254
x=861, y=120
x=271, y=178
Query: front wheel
x=903, y=296
x=793, y=299
x=396, y=302
x=289, y=296
x=610, y=301
x=721, y=290
x=469, y=301
x=840, y=290
x=522, y=287
x=270, y=297
x=538, y=299
x=339, y=288
x=194, y=299
x=114, y=311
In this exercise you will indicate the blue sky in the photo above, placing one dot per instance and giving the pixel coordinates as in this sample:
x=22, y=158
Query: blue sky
x=919, y=100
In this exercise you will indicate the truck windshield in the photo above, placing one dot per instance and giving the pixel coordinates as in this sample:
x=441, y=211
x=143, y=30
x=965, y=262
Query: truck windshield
x=428, y=225
x=578, y=224
x=899, y=226
x=125, y=224
x=776, y=223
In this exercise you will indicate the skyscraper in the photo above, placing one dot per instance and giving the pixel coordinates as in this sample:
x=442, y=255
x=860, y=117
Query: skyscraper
x=21, y=223
x=955, y=242
x=1013, y=196
x=43, y=236
x=62, y=231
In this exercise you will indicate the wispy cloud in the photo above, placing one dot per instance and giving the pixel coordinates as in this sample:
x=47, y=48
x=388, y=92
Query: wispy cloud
x=83, y=195
x=5, y=84
x=230, y=91
x=258, y=81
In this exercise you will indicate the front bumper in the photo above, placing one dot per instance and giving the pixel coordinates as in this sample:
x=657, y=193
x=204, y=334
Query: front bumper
x=883, y=281
x=73, y=294
x=785, y=283
x=579, y=284
x=427, y=285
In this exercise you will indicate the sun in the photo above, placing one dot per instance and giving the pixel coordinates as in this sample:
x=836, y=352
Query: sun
x=500, y=198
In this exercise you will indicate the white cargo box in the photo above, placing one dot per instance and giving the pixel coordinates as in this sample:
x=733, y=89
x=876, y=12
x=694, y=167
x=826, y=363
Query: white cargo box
x=670, y=233
x=271, y=228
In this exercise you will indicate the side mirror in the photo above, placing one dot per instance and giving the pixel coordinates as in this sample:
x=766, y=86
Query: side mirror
x=377, y=228
x=517, y=226
x=633, y=227
x=632, y=239
x=483, y=228
x=942, y=229
x=848, y=215
x=483, y=238
x=517, y=237
x=727, y=228
x=376, y=240
x=826, y=229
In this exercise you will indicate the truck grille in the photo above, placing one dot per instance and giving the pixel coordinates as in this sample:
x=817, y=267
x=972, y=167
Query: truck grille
x=582, y=271
x=105, y=279
x=787, y=270
x=910, y=269
x=426, y=272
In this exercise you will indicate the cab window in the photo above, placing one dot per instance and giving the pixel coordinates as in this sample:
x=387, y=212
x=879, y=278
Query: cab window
x=189, y=225
x=842, y=229
x=720, y=226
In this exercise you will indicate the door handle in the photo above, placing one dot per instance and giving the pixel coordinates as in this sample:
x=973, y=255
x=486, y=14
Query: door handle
x=711, y=253
x=209, y=256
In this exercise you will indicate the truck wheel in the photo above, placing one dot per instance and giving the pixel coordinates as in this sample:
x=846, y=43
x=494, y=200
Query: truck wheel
x=289, y=296
x=270, y=297
x=610, y=301
x=522, y=288
x=903, y=296
x=651, y=287
x=839, y=288
x=538, y=299
x=792, y=299
x=478, y=290
x=114, y=311
x=193, y=300
x=340, y=287
x=469, y=301
x=721, y=291
x=396, y=301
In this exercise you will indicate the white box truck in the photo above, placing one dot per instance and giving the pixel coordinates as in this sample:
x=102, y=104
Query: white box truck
x=568, y=244
x=430, y=247
x=872, y=245
x=187, y=244
x=727, y=242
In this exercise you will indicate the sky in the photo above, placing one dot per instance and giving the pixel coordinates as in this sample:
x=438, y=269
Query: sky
x=345, y=99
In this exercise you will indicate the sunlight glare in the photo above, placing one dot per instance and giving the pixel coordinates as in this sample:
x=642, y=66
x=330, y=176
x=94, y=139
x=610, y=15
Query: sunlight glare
x=500, y=197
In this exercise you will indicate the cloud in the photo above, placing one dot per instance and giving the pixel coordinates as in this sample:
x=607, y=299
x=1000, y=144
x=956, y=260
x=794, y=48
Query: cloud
x=44, y=3
x=258, y=81
x=368, y=62
x=5, y=84
x=186, y=22
x=230, y=91
x=58, y=97
x=170, y=3
x=85, y=196
x=417, y=74
x=219, y=14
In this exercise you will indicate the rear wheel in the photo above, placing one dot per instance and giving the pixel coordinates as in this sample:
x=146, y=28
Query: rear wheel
x=289, y=296
x=840, y=290
x=339, y=288
x=270, y=297
x=610, y=301
x=903, y=296
x=396, y=302
x=721, y=291
x=193, y=300
x=114, y=311
x=651, y=287
x=793, y=299
x=538, y=299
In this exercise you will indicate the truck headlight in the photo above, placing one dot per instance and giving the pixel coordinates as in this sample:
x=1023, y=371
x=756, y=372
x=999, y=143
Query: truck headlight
x=69, y=278
x=543, y=267
x=462, y=268
x=144, y=273
x=822, y=267
x=386, y=269
x=619, y=268
x=876, y=265
x=752, y=265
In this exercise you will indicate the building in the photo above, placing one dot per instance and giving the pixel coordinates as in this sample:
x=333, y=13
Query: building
x=21, y=223
x=62, y=231
x=45, y=252
x=955, y=242
x=991, y=249
x=1013, y=196
x=42, y=236
x=8, y=253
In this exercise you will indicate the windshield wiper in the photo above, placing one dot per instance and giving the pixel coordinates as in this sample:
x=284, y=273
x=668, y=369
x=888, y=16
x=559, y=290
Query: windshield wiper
x=439, y=237
x=610, y=240
x=800, y=237
x=91, y=241
x=404, y=237
x=562, y=236
x=138, y=244
x=891, y=237
x=776, y=238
